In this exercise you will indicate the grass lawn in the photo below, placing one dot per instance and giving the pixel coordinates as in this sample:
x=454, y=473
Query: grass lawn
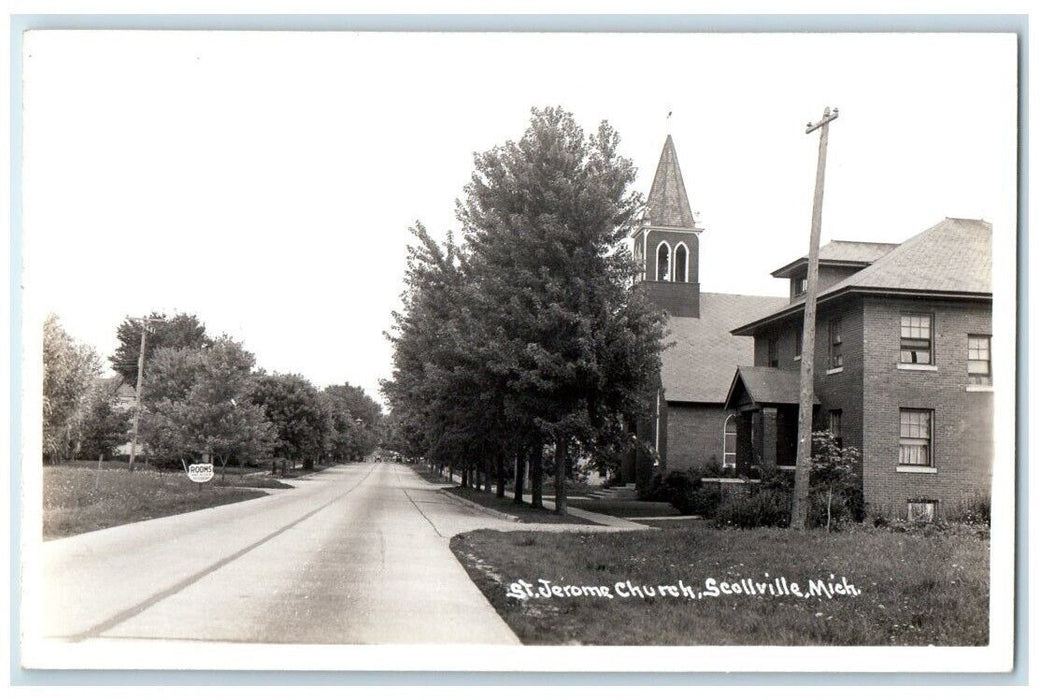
x=78, y=498
x=628, y=509
x=915, y=588
x=525, y=512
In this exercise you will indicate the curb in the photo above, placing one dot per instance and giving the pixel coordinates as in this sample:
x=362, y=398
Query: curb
x=477, y=506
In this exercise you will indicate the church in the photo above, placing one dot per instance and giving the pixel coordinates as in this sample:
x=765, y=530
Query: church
x=689, y=425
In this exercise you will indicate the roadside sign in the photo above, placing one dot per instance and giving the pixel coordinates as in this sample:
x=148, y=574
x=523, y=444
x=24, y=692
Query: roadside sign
x=200, y=473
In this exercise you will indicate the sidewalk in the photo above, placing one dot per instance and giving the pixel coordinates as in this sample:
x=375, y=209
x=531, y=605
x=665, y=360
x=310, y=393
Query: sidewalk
x=597, y=518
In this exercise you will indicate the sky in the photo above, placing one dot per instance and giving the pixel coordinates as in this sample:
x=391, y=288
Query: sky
x=266, y=181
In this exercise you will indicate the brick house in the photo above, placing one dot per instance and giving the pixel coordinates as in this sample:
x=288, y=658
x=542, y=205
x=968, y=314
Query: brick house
x=902, y=368
x=688, y=421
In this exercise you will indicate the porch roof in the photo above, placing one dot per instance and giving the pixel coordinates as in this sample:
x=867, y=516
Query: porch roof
x=765, y=385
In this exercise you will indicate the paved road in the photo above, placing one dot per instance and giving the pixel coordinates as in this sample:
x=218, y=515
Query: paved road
x=354, y=554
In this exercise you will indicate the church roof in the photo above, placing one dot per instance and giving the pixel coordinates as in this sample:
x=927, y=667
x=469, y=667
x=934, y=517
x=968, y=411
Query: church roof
x=668, y=202
x=702, y=354
x=952, y=258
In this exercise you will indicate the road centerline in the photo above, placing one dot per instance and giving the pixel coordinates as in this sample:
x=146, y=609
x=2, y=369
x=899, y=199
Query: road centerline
x=137, y=609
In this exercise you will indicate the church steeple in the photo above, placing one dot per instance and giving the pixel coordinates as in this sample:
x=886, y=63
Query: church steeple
x=668, y=203
x=667, y=242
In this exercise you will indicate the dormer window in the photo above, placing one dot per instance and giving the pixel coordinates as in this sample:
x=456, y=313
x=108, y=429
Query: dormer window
x=800, y=286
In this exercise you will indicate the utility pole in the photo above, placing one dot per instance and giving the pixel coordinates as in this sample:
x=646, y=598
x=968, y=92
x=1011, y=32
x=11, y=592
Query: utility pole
x=140, y=384
x=799, y=508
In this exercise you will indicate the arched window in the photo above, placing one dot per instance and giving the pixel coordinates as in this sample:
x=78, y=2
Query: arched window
x=681, y=263
x=663, y=262
x=640, y=258
x=729, y=443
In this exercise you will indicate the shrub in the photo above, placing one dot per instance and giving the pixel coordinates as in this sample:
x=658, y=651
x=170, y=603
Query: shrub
x=702, y=501
x=712, y=467
x=975, y=509
x=764, y=507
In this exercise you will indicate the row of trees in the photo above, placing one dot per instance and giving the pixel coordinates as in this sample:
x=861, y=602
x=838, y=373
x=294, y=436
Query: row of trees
x=202, y=397
x=529, y=332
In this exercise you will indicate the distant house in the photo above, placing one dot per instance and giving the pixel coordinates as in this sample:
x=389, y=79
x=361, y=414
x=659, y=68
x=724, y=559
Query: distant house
x=903, y=367
x=689, y=425
x=124, y=398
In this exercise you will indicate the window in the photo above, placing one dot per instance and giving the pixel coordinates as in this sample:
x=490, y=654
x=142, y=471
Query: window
x=922, y=511
x=663, y=262
x=916, y=340
x=800, y=286
x=640, y=257
x=773, y=352
x=729, y=443
x=681, y=262
x=914, y=438
x=979, y=360
x=836, y=355
x=835, y=427
x=798, y=339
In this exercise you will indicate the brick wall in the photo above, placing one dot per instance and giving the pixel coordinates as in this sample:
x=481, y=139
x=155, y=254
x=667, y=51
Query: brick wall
x=833, y=390
x=677, y=298
x=694, y=434
x=962, y=422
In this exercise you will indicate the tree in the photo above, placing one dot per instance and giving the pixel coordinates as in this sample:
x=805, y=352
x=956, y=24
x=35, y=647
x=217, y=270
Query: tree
x=69, y=371
x=173, y=333
x=833, y=474
x=199, y=404
x=298, y=416
x=105, y=425
x=546, y=220
x=356, y=422
x=530, y=332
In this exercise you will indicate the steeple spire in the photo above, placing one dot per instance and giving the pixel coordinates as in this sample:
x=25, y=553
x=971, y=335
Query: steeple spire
x=668, y=203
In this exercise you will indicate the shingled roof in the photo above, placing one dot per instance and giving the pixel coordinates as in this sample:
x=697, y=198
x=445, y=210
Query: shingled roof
x=702, y=354
x=765, y=385
x=952, y=258
x=668, y=203
x=847, y=253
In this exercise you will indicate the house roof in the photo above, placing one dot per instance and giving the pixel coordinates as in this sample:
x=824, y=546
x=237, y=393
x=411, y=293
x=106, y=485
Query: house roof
x=668, y=203
x=701, y=355
x=765, y=385
x=116, y=385
x=952, y=258
x=844, y=253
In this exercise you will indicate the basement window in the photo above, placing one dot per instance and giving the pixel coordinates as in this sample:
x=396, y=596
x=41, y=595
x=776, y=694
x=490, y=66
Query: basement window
x=922, y=511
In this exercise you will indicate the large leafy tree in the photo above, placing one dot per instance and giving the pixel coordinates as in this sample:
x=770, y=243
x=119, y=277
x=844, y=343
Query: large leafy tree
x=546, y=220
x=170, y=332
x=530, y=332
x=356, y=422
x=69, y=372
x=199, y=403
x=298, y=414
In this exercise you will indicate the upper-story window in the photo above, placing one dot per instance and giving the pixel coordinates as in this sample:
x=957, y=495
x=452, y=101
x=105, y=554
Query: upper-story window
x=681, y=263
x=773, y=352
x=663, y=262
x=800, y=285
x=836, y=347
x=640, y=258
x=979, y=360
x=798, y=340
x=916, y=340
